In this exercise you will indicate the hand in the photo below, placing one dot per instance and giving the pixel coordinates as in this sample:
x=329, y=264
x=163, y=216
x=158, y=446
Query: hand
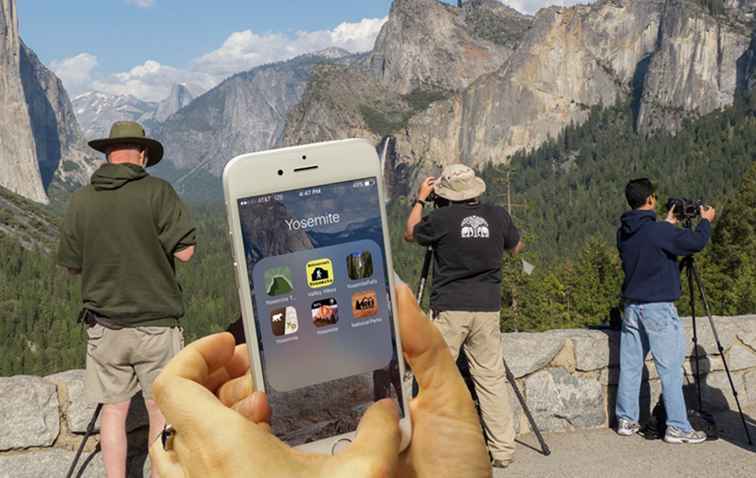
x=426, y=188
x=221, y=430
x=446, y=435
x=671, y=218
x=708, y=213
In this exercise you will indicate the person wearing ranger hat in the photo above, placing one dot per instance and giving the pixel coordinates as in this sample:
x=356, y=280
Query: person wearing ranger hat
x=468, y=240
x=123, y=233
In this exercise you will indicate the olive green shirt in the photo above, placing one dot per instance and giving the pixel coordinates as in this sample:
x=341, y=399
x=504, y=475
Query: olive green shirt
x=121, y=232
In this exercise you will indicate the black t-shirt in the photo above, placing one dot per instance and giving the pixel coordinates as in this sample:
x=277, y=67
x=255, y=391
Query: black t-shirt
x=468, y=242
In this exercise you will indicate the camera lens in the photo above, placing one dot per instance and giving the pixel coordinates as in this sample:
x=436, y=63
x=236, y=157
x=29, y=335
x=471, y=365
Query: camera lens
x=304, y=156
x=280, y=172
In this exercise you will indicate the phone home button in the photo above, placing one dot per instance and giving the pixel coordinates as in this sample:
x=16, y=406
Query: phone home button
x=340, y=446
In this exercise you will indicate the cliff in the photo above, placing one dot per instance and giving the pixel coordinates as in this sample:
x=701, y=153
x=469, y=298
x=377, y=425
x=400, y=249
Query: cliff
x=243, y=114
x=19, y=170
x=674, y=59
x=41, y=146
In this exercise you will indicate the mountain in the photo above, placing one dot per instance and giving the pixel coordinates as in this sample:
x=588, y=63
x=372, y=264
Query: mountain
x=245, y=113
x=179, y=97
x=675, y=59
x=41, y=147
x=96, y=111
x=19, y=170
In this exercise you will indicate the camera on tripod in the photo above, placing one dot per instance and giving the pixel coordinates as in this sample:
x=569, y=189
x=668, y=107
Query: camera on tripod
x=685, y=209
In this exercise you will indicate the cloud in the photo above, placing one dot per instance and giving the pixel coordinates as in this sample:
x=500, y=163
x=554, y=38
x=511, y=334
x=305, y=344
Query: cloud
x=75, y=72
x=141, y=3
x=532, y=6
x=152, y=81
x=247, y=49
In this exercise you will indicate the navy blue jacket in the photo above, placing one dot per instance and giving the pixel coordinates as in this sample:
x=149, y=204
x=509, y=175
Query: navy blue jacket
x=649, y=252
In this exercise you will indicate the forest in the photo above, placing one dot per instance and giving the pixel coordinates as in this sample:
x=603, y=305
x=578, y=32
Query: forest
x=567, y=197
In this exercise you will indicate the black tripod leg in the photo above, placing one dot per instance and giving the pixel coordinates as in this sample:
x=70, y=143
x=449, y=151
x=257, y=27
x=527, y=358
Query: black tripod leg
x=721, y=350
x=90, y=430
x=526, y=410
x=688, y=264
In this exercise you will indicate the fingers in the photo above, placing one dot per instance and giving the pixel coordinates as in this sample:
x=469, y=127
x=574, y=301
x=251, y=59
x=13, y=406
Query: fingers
x=203, y=357
x=255, y=408
x=423, y=345
x=237, y=366
x=235, y=390
x=378, y=438
x=164, y=463
x=180, y=389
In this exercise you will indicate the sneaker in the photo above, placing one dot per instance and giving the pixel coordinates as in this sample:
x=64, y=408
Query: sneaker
x=675, y=435
x=501, y=463
x=627, y=428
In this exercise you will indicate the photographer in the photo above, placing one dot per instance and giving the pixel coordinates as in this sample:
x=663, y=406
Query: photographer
x=649, y=252
x=468, y=240
x=123, y=233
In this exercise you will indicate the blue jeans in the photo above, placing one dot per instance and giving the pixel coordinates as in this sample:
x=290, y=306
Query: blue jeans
x=655, y=327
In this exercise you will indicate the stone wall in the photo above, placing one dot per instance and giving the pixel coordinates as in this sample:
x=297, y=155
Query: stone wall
x=568, y=377
x=42, y=423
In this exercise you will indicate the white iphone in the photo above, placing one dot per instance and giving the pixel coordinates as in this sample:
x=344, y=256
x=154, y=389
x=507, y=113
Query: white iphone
x=313, y=264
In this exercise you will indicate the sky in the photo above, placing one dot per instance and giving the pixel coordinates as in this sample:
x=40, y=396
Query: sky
x=143, y=47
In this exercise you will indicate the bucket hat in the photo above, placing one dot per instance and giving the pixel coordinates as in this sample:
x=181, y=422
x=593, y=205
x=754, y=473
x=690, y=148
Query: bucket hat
x=459, y=183
x=130, y=132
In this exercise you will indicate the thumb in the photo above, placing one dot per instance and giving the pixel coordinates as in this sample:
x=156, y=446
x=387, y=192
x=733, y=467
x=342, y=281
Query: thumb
x=378, y=439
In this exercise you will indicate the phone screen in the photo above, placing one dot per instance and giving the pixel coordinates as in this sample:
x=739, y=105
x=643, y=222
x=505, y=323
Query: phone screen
x=319, y=278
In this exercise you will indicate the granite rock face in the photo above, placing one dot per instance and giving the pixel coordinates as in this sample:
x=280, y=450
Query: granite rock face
x=245, y=113
x=41, y=146
x=560, y=401
x=19, y=171
x=28, y=412
x=76, y=408
x=427, y=44
x=51, y=462
x=65, y=160
x=694, y=68
x=670, y=59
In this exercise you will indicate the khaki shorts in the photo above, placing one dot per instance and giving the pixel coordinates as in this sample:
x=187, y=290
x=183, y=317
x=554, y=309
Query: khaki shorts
x=120, y=362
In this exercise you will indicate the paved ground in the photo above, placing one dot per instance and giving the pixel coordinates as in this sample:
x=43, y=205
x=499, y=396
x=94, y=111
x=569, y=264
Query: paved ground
x=602, y=453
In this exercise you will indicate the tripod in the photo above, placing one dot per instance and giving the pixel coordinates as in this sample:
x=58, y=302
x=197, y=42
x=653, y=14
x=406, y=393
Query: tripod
x=688, y=264
x=464, y=369
x=90, y=430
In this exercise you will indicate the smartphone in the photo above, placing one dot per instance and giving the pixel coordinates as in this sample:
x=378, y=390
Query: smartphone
x=313, y=266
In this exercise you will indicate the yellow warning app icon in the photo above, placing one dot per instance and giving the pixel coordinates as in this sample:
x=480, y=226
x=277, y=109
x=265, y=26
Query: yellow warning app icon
x=319, y=273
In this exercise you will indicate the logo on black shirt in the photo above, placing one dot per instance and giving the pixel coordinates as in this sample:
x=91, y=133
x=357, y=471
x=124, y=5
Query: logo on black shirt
x=475, y=227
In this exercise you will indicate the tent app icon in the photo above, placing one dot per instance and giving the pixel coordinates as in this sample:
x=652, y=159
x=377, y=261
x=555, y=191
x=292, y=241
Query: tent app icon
x=278, y=281
x=320, y=273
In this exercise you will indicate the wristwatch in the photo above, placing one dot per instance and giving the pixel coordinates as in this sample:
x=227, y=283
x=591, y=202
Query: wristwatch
x=420, y=202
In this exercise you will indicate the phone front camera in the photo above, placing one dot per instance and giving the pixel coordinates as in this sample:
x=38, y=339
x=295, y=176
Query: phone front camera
x=280, y=172
x=304, y=156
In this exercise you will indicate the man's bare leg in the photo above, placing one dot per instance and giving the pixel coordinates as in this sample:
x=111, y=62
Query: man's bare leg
x=157, y=423
x=113, y=438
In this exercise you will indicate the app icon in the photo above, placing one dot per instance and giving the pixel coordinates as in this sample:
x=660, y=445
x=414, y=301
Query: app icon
x=284, y=321
x=325, y=312
x=278, y=281
x=364, y=304
x=359, y=265
x=319, y=273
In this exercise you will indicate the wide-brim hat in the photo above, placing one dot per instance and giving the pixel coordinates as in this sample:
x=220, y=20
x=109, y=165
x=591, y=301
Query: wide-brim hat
x=130, y=132
x=459, y=183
